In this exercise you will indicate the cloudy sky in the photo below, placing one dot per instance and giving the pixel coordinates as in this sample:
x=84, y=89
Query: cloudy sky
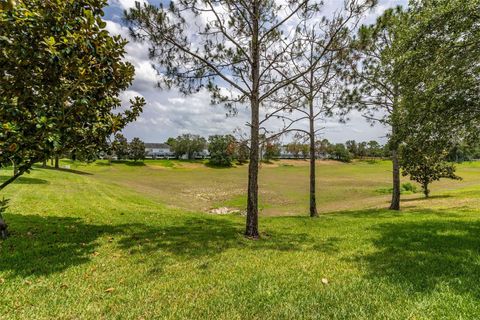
x=169, y=113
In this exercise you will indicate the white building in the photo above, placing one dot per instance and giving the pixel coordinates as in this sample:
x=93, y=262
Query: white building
x=158, y=150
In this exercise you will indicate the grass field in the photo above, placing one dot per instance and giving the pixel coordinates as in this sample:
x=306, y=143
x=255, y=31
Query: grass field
x=132, y=241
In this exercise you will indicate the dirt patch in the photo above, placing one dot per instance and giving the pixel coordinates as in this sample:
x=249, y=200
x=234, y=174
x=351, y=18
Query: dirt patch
x=225, y=210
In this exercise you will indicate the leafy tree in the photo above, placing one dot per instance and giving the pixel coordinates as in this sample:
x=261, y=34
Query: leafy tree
x=362, y=150
x=374, y=149
x=136, y=149
x=242, y=152
x=294, y=147
x=461, y=152
x=120, y=146
x=425, y=164
x=373, y=85
x=170, y=141
x=272, y=149
x=221, y=149
x=339, y=152
x=305, y=150
x=352, y=147
x=187, y=144
x=61, y=76
x=239, y=52
x=438, y=65
x=323, y=147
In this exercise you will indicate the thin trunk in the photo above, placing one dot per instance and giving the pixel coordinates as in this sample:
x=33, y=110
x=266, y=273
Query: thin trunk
x=395, y=204
x=251, y=229
x=15, y=168
x=426, y=192
x=56, y=162
x=44, y=163
x=17, y=174
x=313, y=201
x=51, y=162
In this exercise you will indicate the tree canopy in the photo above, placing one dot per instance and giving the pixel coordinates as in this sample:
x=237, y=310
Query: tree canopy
x=61, y=76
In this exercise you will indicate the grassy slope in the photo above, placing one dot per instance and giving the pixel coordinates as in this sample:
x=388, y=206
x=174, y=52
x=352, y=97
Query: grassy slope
x=283, y=187
x=77, y=235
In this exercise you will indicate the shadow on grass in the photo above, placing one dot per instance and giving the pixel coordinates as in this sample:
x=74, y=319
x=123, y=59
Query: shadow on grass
x=215, y=166
x=423, y=198
x=45, y=245
x=422, y=255
x=83, y=173
x=130, y=163
x=25, y=180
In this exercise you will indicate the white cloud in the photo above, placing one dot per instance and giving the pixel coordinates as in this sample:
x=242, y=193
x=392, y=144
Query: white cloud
x=125, y=4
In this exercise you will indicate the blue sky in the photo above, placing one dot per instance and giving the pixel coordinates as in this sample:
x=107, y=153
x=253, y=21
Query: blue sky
x=169, y=113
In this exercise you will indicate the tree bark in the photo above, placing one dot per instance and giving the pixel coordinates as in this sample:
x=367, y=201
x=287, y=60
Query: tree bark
x=395, y=204
x=426, y=191
x=313, y=200
x=44, y=163
x=15, y=168
x=251, y=229
x=56, y=162
x=17, y=174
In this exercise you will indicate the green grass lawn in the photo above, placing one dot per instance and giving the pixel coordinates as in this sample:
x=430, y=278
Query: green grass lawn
x=134, y=242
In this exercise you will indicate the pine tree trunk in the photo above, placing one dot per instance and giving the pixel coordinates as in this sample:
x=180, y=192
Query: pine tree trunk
x=395, y=204
x=56, y=162
x=313, y=201
x=251, y=229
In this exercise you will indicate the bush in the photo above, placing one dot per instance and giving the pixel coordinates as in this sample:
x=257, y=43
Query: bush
x=408, y=188
x=221, y=149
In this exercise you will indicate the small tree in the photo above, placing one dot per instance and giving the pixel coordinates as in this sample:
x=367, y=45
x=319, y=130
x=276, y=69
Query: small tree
x=425, y=165
x=120, y=146
x=322, y=148
x=242, y=152
x=221, y=149
x=187, y=144
x=373, y=86
x=272, y=150
x=294, y=148
x=374, y=149
x=136, y=149
x=352, y=147
x=339, y=152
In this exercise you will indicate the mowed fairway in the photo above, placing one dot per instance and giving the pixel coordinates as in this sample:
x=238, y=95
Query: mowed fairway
x=135, y=242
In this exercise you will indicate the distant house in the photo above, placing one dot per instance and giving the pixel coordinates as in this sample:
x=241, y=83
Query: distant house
x=158, y=150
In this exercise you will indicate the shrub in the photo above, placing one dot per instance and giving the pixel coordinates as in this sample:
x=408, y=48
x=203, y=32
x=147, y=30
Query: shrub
x=408, y=188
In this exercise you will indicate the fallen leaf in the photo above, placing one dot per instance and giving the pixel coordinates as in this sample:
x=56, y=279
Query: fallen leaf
x=110, y=290
x=64, y=286
x=28, y=282
x=96, y=253
x=2, y=280
x=324, y=280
